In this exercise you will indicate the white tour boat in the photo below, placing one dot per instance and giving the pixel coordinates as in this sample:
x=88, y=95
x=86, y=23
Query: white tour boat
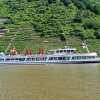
x=56, y=56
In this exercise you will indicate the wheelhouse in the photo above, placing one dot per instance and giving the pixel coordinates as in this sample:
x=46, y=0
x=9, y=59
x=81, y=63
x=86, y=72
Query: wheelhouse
x=62, y=51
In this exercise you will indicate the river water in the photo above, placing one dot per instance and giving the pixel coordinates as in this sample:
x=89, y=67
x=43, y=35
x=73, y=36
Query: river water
x=50, y=82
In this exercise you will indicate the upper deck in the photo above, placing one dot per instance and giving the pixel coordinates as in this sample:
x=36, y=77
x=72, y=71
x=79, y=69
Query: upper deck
x=62, y=51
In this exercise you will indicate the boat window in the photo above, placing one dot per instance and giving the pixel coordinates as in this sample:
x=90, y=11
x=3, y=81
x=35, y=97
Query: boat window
x=51, y=52
x=21, y=59
x=72, y=51
x=1, y=59
x=55, y=58
x=61, y=51
x=74, y=57
x=57, y=51
x=50, y=58
x=10, y=59
x=7, y=59
x=60, y=58
x=37, y=59
x=67, y=58
x=83, y=57
x=33, y=59
x=64, y=50
x=78, y=57
x=16, y=58
x=68, y=50
x=43, y=58
x=64, y=58
x=29, y=59
x=93, y=56
x=90, y=57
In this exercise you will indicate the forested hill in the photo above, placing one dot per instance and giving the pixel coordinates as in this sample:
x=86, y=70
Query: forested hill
x=55, y=17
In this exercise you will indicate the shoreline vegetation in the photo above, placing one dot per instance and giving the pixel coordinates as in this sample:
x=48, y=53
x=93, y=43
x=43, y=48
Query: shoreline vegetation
x=50, y=24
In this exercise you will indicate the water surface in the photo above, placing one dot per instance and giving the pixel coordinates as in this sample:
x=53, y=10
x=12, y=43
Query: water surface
x=50, y=82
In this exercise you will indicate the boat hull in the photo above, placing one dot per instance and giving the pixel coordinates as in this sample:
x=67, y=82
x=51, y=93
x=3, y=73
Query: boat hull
x=41, y=63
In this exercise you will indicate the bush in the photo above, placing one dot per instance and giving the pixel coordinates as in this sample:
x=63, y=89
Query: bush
x=97, y=9
x=86, y=3
x=42, y=35
x=97, y=34
x=87, y=34
x=66, y=2
x=94, y=8
x=79, y=4
x=91, y=25
x=51, y=1
x=78, y=17
x=76, y=32
x=62, y=37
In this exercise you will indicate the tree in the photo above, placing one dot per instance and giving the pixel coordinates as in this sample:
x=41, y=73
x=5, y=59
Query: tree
x=78, y=17
x=77, y=32
x=51, y=1
x=62, y=37
x=79, y=3
x=29, y=0
x=97, y=34
x=93, y=23
x=66, y=2
x=87, y=3
x=16, y=5
x=87, y=34
x=97, y=8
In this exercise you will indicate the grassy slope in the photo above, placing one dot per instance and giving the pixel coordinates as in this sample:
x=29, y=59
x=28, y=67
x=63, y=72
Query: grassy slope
x=25, y=41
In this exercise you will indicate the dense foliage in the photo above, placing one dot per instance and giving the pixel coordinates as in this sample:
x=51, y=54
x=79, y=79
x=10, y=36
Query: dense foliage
x=55, y=17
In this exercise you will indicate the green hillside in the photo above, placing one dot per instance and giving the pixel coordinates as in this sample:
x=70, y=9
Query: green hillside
x=33, y=22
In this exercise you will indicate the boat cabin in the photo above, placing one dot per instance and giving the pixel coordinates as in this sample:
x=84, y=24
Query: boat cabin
x=62, y=51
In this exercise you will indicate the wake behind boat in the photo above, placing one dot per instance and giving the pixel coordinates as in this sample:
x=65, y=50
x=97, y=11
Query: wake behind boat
x=55, y=56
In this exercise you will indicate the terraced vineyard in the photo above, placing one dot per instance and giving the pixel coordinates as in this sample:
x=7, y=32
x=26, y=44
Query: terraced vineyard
x=26, y=40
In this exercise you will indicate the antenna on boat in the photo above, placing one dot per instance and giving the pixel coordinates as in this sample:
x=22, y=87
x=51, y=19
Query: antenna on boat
x=84, y=45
